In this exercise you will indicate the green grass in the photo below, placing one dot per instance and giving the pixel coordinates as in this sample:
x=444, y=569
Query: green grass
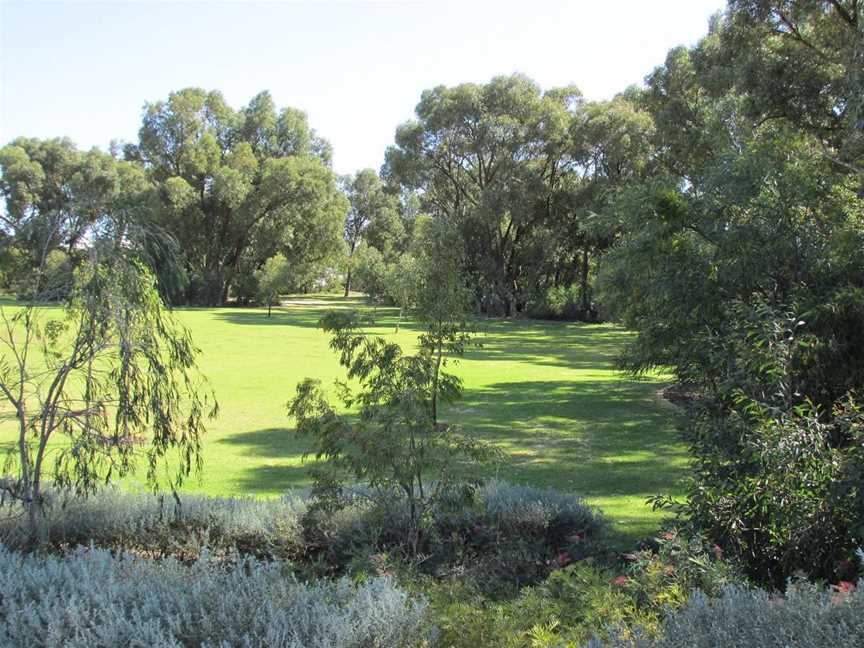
x=546, y=392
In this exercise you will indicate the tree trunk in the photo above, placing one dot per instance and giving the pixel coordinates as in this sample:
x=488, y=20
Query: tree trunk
x=348, y=282
x=583, y=289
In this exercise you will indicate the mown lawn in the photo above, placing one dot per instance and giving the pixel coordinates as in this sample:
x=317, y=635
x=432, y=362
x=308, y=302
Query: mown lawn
x=547, y=392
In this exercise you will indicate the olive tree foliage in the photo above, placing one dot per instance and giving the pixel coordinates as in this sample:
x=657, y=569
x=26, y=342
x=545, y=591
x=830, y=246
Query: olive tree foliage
x=237, y=187
x=487, y=159
x=110, y=381
x=369, y=203
x=398, y=445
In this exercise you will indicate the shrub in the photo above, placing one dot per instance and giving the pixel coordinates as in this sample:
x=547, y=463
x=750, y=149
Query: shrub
x=564, y=610
x=662, y=578
x=562, y=303
x=506, y=536
x=165, y=525
x=807, y=617
x=93, y=599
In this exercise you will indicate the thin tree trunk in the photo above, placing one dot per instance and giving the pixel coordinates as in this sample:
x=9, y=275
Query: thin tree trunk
x=348, y=282
x=584, y=283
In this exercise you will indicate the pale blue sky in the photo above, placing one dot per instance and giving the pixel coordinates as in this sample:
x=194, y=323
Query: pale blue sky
x=85, y=70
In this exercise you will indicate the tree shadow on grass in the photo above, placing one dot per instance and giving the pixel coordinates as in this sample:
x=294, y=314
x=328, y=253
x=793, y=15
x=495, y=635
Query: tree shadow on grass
x=381, y=323
x=599, y=439
x=560, y=344
x=278, y=444
x=606, y=441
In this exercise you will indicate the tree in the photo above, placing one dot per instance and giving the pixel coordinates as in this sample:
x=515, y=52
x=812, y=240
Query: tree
x=738, y=265
x=487, y=159
x=398, y=445
x=369, y=203
x=799, y=61
x=236, y=186
x=114, y=378
x=57, y=197
x=273, y=278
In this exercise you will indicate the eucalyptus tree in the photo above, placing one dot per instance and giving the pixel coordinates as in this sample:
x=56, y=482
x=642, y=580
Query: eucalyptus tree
x=369, y=204
x=800, y=61
x=612, y=144
x=110, y=382
x=487, y=159
x=738, y=266
x=58, y=200
x=236, y=185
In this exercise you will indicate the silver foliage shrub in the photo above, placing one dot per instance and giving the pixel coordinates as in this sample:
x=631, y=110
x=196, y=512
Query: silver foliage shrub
x=511, y=507
x=92, y=599
x=806, y=617
x=113, y=517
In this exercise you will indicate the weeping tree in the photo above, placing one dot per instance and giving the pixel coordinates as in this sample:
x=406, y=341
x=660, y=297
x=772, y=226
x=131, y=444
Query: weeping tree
x=111, y=381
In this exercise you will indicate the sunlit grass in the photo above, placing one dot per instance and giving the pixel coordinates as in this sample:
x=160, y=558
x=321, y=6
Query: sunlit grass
x=546, y=392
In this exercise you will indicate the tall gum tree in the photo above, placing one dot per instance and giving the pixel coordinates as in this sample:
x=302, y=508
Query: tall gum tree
x=486, y=159
x=232, y=180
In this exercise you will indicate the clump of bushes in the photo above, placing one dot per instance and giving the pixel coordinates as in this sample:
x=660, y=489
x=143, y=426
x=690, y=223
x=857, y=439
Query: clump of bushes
x=583, y=598
x=563, y=302
x=181, y=526
x=92, y=599
x=505, y=536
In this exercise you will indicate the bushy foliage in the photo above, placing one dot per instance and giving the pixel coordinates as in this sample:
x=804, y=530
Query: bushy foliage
x=566, y=609
x=774, y=471
x=92, y=598
x=583, y=598
x=164, y=525
x=562, y=302
x=806, y=617
x=501, y=539
x=507, y=536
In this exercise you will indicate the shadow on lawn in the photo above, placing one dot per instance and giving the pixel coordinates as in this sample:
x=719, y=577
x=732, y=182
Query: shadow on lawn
x=595, y=438
x=560, y=344
x=382, y=322
x=598, y=439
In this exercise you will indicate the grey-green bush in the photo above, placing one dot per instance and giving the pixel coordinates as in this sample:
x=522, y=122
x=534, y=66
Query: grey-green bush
x=93, y=599
x=806, y=617
x=164, y=524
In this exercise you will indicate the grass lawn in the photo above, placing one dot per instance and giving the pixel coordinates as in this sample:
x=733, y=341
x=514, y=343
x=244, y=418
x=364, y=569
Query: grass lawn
x=546, y=392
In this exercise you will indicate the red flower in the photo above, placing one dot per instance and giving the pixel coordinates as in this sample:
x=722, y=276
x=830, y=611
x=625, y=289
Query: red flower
x=718, y=551
x=561, y=560
x=668, y=536
x=846, y=587
x=620, y=580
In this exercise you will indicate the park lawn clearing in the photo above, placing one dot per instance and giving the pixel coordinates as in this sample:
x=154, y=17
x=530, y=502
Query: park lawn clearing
x=546, y=392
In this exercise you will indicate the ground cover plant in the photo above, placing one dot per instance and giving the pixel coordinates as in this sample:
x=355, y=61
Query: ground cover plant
x=96, y=599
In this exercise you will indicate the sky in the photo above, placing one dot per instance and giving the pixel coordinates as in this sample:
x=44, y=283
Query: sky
x=85, y=70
